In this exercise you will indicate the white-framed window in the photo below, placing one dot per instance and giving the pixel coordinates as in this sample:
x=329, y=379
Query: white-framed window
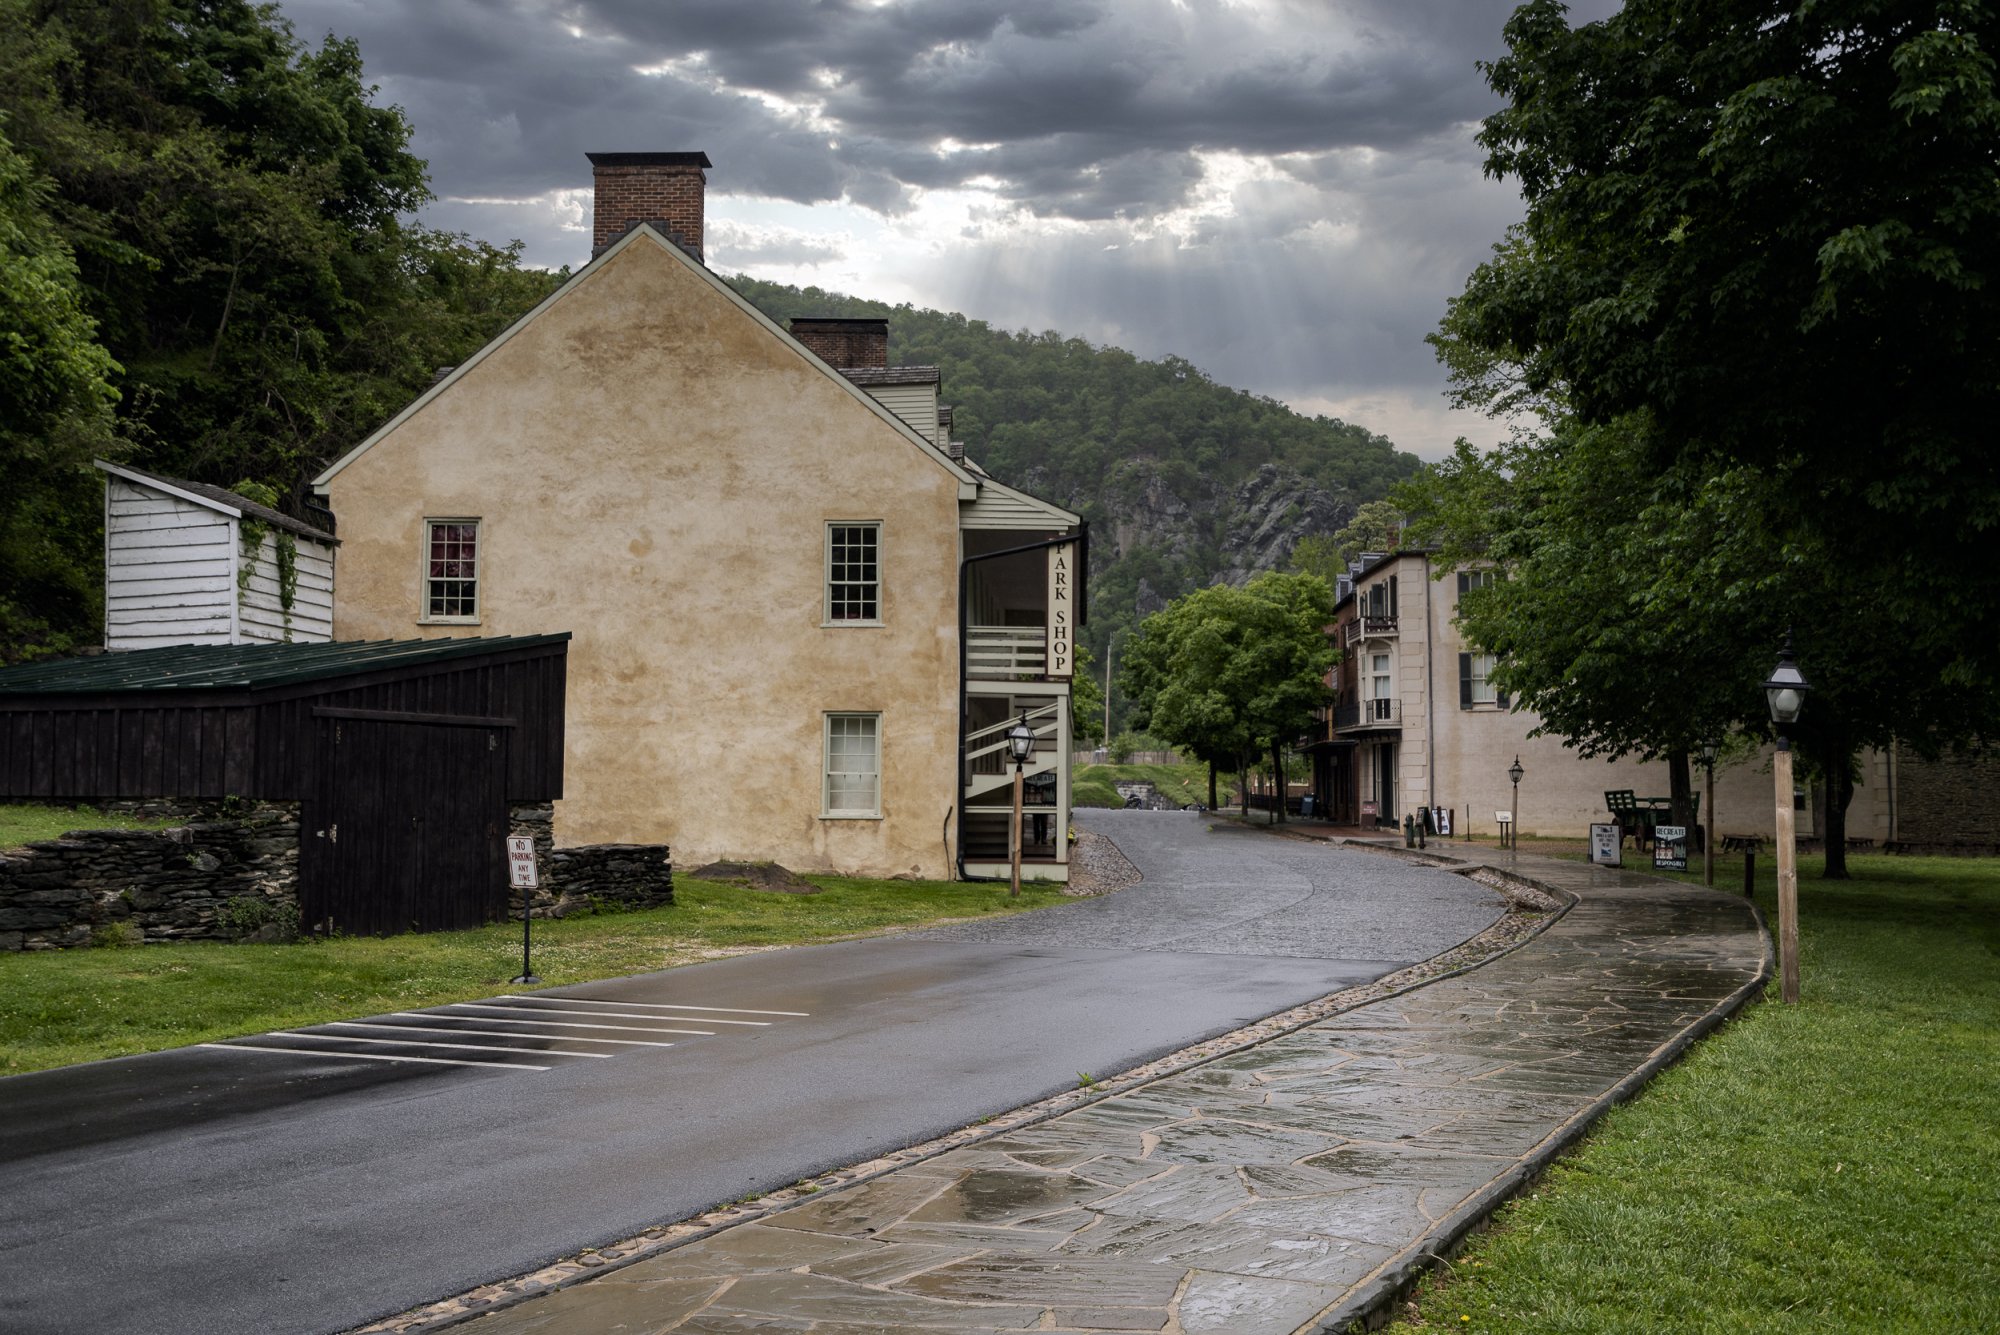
x=853, y=765
x=451, y=570
x=854, y=573
x=1475, y=682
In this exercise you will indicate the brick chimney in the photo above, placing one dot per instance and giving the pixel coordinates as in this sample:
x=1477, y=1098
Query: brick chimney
x=661, y=188
x=845, y=345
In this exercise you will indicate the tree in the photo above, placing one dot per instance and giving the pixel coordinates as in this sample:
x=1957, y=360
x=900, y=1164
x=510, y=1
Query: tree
x=1754, y=306
x=1377, y=526
x=56, y=405
x=1224, y=672
x=1086, y=701
x=1775, y=228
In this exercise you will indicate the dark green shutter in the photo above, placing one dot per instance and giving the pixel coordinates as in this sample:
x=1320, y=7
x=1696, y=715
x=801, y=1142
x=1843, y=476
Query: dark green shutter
x=1464, y=583
x=1465, y=681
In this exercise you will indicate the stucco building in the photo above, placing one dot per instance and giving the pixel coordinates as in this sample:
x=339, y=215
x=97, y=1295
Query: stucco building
x=792, y=637
x=1418, y=722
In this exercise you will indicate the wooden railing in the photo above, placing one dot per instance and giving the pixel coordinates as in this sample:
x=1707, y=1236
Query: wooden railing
x=1006, y=653
x=1368, y=628
x=1387, y=713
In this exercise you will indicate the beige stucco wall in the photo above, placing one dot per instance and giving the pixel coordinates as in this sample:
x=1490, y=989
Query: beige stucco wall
x=653, y=471
x=1561, y=791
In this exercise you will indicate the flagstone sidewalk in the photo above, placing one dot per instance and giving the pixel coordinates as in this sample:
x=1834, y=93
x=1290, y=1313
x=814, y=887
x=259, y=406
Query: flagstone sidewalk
x=1291, y=1186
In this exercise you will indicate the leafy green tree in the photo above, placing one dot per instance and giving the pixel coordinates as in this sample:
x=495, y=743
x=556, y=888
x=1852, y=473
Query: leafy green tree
x=56, y=404
x=1775, y=228
x=1086, y=700
x=1376, y=527
x=1224, y=672
x=239, y=210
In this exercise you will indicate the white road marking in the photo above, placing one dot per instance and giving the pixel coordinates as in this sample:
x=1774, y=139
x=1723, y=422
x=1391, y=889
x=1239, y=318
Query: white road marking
x=602, y=1015
x=561, y=1024
x=659, y=1005
x=623, y=1015
x=423, y=1043
x=486, y=1033
x=373, y=1057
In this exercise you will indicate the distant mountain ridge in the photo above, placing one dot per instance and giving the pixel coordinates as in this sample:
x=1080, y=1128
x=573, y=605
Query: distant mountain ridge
x=1186, y=482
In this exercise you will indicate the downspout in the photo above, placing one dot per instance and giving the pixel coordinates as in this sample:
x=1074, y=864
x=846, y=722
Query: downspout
x=1082, y=539
x=1430, y=697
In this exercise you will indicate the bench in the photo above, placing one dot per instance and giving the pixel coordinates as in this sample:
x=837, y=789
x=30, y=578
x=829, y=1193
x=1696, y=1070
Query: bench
x=1742, y=843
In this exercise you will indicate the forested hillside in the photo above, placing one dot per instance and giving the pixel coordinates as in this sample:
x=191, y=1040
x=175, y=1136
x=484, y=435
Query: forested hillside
x=207, y=267
x=1185, y=481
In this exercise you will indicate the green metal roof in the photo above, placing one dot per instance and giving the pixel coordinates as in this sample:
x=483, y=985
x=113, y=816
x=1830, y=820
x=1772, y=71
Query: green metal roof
x=211, y=667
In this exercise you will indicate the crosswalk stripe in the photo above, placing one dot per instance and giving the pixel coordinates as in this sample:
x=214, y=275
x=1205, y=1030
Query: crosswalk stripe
x=623, y=1015
x=487, y=1033
x=564, y=1024
x=658, y=1005
x=373, y=1057
x=424, y=1043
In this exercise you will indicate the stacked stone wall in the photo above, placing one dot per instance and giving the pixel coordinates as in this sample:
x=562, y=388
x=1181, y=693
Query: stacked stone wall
x=218, y=876
x=230, y=873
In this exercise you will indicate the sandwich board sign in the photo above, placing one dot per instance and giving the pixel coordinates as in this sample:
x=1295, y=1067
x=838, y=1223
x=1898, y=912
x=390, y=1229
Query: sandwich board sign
x=1606, y=846
x=1670, y=849
x=521, y=862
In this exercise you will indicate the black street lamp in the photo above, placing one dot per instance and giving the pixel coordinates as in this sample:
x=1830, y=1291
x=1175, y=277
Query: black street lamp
x=1514, y=772
x=1785, y=692
x=1020, y=742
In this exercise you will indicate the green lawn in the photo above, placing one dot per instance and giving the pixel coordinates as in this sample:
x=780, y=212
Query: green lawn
x=1091, y=786
x=1831, y=1166
x=27, y=822
x=58, y=1007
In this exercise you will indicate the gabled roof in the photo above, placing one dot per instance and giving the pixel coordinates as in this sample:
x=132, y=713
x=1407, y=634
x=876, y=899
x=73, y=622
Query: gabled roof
x=209, y=667
x=219, y=500
x=645, y=233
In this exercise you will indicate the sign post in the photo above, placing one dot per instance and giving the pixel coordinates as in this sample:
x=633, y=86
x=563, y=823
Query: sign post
x=522, y=876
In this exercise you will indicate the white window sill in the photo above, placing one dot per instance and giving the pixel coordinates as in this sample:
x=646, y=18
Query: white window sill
x=858, y=625
x=850, y=815
x=447, y=621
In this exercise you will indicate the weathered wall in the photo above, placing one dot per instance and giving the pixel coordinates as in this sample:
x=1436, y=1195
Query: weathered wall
x=653, y=471
x=216, y=878
x=1948, y=804
x=582, y=879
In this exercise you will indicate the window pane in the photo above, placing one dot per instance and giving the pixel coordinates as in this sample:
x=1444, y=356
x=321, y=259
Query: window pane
x=851, y=572
x=853, y=764
x=451, y=570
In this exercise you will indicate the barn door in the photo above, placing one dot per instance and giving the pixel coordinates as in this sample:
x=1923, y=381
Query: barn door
x=406, y=829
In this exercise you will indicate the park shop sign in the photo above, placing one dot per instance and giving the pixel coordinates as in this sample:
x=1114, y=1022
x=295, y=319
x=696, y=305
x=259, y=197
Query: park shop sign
x=1062, y=611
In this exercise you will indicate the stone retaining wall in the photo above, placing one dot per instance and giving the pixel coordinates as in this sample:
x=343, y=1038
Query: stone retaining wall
x=229, y=872
x=219, y=876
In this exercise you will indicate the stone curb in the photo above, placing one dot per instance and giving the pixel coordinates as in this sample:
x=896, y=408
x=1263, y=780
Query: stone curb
x=563, y=1274
x=1366, y=1306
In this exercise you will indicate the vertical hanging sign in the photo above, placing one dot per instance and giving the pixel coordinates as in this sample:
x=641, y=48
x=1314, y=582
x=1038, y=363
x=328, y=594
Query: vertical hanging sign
x=1062, y=612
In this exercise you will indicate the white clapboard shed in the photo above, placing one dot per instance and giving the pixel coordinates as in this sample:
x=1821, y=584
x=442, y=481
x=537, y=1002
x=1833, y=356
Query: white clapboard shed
x=188, y=563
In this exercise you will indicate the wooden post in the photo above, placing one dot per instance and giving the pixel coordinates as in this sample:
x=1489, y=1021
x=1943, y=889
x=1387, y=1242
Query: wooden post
x=1708, y=827
x=1788, y=877
x=1015, y=891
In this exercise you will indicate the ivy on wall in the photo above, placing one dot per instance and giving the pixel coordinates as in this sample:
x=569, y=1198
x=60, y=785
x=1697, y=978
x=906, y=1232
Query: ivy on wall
x=253, y=531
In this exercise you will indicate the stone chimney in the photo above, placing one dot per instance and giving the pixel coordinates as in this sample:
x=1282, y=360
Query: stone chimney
x=845, y=345
x=665, y=189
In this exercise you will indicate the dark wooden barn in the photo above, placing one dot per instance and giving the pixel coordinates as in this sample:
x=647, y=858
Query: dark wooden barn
x=404, y=755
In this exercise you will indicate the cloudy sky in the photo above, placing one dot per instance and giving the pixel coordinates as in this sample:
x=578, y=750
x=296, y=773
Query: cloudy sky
x=1282, y=191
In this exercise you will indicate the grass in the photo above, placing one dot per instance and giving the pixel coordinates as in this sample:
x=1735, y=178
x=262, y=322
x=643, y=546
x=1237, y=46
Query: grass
x=58, y=1007
x=1833, y=1165
x=1091, y=785
x=28, y=822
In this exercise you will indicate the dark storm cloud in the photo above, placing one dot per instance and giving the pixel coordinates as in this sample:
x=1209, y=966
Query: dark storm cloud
x=1084, y=110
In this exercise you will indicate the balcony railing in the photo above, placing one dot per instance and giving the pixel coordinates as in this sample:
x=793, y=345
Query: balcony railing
x=1356, y=715
x=1006, y=653
x=1368, y=628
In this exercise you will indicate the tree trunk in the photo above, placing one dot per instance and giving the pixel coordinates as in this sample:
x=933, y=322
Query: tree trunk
x=1278, y=797
x=1837, y=784
x=1211, y=785
x=1243, y=781
x=1680, y=793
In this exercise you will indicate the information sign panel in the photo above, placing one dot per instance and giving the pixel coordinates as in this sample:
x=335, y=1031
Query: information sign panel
x=1670, y=848
x=1606, y=846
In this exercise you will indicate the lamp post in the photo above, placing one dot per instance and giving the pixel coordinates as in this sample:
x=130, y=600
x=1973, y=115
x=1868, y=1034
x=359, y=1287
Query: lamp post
x=1785, y=692
x=1514, y=772
x=1020, y=741
x=1707, y=754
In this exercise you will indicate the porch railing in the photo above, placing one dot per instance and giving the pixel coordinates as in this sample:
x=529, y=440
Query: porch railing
x=1369, y=628
x=1006, y=653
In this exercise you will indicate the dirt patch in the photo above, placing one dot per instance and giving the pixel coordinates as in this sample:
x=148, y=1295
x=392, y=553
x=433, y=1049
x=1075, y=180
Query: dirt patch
x=756, y=876
x=1096, y=867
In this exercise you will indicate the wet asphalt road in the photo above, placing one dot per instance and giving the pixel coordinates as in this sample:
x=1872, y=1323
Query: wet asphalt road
x=217, y=1191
